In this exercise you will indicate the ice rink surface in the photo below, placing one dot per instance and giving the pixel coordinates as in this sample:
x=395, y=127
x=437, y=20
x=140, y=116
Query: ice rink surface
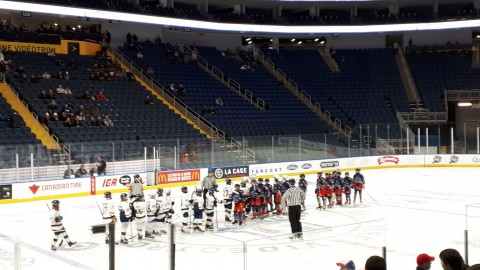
x=409, y=211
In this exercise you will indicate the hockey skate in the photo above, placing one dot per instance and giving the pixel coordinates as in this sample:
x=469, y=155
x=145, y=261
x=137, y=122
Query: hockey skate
x=140, y=237
x=54, y=248
x=235, y=221
x=124, y=241
x=227, y=219
x=71, y=243
x=292, y=236
x=299, y=236
x=149, y=235
x=209, y=227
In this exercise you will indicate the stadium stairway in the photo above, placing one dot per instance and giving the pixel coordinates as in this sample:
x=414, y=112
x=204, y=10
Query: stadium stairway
x=141, y=80
x=28, y=117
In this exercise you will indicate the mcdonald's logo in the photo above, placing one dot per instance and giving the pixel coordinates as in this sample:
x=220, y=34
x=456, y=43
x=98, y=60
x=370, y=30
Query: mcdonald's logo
x=178, y=176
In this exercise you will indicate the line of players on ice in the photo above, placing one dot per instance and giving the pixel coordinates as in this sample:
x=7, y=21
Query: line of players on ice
x=253, y=195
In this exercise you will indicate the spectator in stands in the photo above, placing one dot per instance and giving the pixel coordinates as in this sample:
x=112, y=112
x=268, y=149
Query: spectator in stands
x=100, y=96
x=219, y=101
x=43, y=95
x=139, y=52
x=211, y=110
x=68, y=120
x=51, y=94
x=80, y=119
x=2, y=57
x=52, y=105
x=101, y=165
x=59, y=75
x=20, y=71
x=67, y=75
x=46, y=75
x=172, y=88
x=63, y=116
x=55, y=117
x=81, y=172
x=452, y=260
x=66, y=109
x=150, y=71
x=181, y=90
x=60, y=89
x=375, y=263
x=184, y=158
x=86, y=95
x=3, y=70
x=94, y=171
x=68, y=173
x=46, y=118
x=93, y=122
x=107, y=121
x=81, y=109
x=424, y=261
x=204, y=110
x=148, y=101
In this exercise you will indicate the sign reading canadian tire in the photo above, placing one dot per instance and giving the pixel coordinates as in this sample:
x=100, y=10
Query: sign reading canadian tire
x=178, y=176
x=230, y=172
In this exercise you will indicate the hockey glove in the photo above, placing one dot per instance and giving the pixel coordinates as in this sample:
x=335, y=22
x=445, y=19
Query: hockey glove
x=58, y=219
x=171, y=211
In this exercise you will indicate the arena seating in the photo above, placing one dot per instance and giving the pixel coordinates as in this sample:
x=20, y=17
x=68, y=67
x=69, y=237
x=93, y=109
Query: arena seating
x=285, y=116
x=436, y=71
x=136, y=125
x=368, y=90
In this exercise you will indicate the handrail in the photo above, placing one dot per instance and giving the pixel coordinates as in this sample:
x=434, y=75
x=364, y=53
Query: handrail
x=459, y=95
x=410, y=81
x=300, y=93
x=166, y=94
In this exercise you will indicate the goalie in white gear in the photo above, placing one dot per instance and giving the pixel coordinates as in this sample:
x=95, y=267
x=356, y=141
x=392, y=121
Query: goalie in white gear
x=140, y=208
x=227, y=199
x=108, y=212
x=197, y=201
x=57, y=225
x=125, y=216
x=185, y=209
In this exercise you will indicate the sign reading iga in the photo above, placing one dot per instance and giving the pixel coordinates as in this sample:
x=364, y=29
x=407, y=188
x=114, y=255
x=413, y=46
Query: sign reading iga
x=178, y=176
x=230, y=172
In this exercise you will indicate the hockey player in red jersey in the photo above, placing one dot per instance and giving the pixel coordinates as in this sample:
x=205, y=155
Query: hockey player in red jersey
x=338, y=187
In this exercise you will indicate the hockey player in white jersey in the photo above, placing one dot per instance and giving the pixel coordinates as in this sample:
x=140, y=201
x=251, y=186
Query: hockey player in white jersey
x=125, y=216
x=140, y=210
x=108, y=212
x=152, y=213
x=227, y=199
x=168, y=207
x=185, y=209
x=57, y=225
x=197, y=201
x=210, y=204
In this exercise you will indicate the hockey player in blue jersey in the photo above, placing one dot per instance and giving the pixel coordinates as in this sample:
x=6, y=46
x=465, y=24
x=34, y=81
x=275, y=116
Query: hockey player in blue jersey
x=303, y=184
x=268, y=196
x=358, y=184
x=238, y=199
x=347, y=187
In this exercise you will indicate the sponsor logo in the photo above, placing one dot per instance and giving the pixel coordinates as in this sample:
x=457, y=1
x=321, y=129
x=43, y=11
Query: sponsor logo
x=125, y=180
x=93, y=187
x=329, y=164
x=218, y=173
x=5, y=192
x=453, y=159
x=178, y=176
x=476, y=159
x=292, y=167
x=386, y=159
x=109, y=182
x=437, y=159
x=306, y=166
x=34, y=189
x=254, y=171
x=229, y=172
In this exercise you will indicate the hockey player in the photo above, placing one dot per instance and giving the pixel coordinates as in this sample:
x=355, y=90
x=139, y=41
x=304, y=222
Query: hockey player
x=318, y=189
x=185, y=209
x=168, y=207
x=197, y=201
x=338, y=187
x=152, y=213
x=210, y=204
x=238, y=199
x=57, y=225
x=140, y=209
x=160, y=214
x=268, y=196
x=208, y=182
x=245, y=187
x=125, y=216
x=255, y=201
x=108, y=212
x=358, y=184
x=347, y=187
x=302, y=184
x=227, y=200
x=285, y=183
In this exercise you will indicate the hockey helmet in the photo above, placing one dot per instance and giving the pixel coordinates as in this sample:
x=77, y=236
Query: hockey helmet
x=267, y=180
x=291, y=181
x=302, y=175
x=228, y=181
x=153, y=196
x=243, y=184
x=253, y=177
x=123, y=196
x=215, y=187
x=320, y=173
x=260, y=180
x=55, y=202
x=347, y=173
x=169, y=192
x=160, y=192
x=245, y=178
x=210, y=171
x=107, y=194
x=184, y=189
x=198, y=191
x=357, y=169
x=276, y=176
x=237, y=186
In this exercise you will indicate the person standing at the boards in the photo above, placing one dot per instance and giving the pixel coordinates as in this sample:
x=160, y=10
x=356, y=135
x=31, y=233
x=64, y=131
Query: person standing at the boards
x=293, y=198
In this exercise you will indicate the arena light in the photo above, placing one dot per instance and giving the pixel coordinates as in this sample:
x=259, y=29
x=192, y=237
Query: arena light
x=464, y=104
x=232, y=27
x=316, y=40
x=292, y=40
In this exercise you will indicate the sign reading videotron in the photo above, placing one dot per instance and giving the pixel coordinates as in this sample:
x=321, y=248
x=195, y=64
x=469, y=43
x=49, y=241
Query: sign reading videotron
x=178, y=176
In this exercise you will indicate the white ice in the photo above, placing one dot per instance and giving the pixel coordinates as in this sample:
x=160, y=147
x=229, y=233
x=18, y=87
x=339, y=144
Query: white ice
x=409, y=211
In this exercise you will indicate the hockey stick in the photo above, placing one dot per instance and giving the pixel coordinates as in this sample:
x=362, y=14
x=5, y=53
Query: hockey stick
x=61, y=240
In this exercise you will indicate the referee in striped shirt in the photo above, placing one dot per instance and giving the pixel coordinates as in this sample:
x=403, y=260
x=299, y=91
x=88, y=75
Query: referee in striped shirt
x=293, y=199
